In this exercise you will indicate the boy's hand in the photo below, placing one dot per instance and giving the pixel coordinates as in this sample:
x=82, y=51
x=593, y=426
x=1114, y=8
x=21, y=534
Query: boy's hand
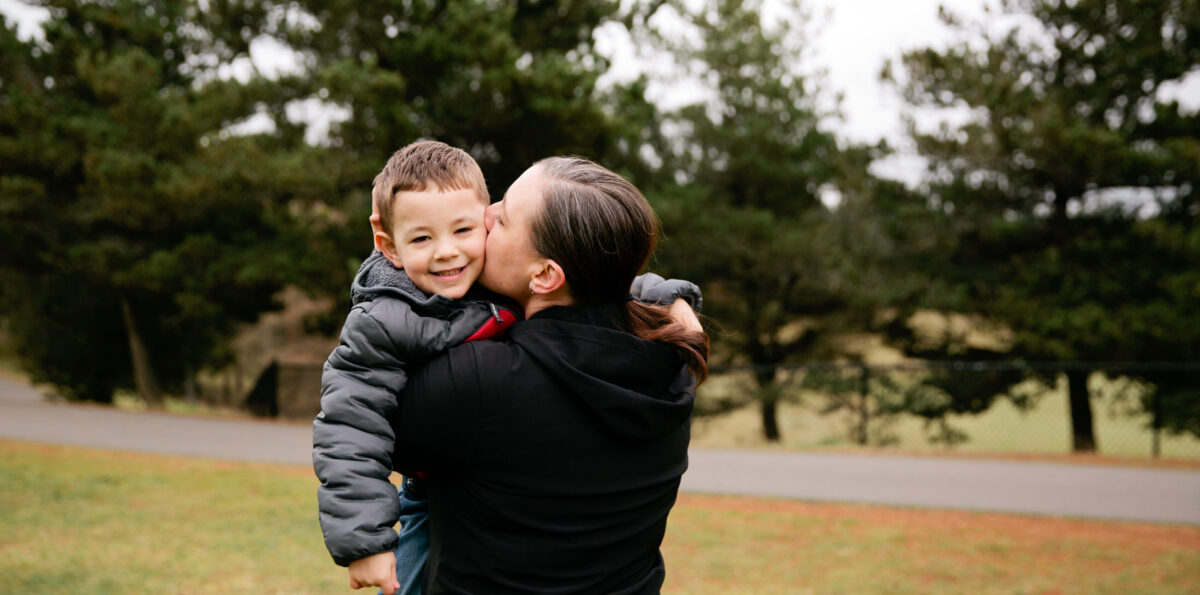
x=375, y=571
x=682, y=313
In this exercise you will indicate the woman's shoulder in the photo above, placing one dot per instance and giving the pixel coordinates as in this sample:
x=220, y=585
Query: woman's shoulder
x=601, y=325
x=566, y=341
x=476, y=356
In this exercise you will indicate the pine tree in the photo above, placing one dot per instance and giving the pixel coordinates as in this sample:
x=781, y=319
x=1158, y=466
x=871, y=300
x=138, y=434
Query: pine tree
x=1073, y=188
x=136, y=231
x=510, y=82
x=740, y=195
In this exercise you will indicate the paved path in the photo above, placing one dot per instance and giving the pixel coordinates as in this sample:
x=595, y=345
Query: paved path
x=1094, y=491
x=24, y=415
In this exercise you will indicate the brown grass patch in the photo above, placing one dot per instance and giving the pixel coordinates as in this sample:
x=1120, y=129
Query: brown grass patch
x=758, y=545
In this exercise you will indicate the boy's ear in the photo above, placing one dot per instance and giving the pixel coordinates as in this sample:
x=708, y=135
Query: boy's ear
x=384, y=243
x=548, y=279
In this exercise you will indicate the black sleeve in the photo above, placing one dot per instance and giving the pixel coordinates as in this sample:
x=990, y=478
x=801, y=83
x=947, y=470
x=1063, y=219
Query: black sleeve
x=441, y=414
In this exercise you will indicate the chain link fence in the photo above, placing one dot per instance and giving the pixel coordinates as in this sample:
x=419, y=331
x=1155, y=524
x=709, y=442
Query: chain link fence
x=1137, y=409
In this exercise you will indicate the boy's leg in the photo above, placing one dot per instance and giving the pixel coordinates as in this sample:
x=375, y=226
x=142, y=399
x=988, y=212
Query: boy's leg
x=413, y=550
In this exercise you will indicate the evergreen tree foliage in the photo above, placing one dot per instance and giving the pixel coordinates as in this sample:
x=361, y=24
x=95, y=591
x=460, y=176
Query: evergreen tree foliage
x=135, y=231
x=139, y=226
x=1072, y=188
x=740, y=196
x=510, y=82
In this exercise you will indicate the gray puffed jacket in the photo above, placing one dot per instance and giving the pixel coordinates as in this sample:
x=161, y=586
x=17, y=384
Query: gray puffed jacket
x=392, y=325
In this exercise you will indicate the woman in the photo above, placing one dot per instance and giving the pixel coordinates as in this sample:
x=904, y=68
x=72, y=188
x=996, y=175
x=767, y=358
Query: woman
x=556, y=453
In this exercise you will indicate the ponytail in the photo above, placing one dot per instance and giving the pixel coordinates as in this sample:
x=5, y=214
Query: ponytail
x=654, y=323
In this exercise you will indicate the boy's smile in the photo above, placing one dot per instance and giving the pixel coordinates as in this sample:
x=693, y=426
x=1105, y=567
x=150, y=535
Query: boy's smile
x=450, y=273
x=438, y=238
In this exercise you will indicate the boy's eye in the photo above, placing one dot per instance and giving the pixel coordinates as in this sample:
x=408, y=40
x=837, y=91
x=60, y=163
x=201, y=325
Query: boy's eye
x=419, y=239
x=463, y=230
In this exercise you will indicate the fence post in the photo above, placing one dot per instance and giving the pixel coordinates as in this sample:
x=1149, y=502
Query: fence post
x=1157, y=424
x=865, y=401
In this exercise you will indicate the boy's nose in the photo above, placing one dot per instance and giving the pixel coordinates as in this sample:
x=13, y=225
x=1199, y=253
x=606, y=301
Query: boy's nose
x=446, y=250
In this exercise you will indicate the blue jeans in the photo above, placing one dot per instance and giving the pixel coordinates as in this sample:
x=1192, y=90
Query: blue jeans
x=413, y=550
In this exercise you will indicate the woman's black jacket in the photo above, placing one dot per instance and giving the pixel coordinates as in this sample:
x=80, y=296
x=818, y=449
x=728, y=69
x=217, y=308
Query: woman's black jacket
x=554, y=456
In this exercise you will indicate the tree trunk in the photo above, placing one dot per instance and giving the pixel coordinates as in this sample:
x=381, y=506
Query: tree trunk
x=768, y=395
x=863, y=434
x=769, y=421
x=1083, y=437
x=189, y=387
x=143, y=372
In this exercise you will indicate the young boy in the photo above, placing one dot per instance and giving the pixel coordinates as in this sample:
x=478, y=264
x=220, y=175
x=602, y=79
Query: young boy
x=408, y=305
x=412, y=299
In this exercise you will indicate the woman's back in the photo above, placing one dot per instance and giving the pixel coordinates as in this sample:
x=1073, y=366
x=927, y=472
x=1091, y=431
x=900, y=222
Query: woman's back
x=555, y=456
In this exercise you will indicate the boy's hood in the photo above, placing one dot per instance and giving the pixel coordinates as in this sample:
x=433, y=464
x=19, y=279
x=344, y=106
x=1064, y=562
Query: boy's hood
x=378, y=277
x=638, y=389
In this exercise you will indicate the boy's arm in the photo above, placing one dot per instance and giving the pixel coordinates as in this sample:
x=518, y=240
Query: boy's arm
x=353, y=441
x=653, y=289
x=353, y=436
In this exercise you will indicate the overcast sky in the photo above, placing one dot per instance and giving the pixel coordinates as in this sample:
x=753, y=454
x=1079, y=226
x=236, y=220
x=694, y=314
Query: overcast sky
x=851, y=40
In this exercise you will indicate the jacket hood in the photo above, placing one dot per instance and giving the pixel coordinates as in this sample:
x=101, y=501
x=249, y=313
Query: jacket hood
x=637, y=389
x=377, y=276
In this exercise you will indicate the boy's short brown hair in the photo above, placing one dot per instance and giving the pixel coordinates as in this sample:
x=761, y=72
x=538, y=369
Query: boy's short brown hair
x=421, y=166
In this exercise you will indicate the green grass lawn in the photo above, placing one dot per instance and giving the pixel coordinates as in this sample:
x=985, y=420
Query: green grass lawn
x=87, y=521
x=93, y=521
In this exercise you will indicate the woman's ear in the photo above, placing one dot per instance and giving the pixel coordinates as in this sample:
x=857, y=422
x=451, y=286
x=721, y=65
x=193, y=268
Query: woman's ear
x=384, y=243
x=376, y=225
x=548, y=278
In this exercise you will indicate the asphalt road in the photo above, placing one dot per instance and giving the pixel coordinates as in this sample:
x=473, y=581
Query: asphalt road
x=1059, y=489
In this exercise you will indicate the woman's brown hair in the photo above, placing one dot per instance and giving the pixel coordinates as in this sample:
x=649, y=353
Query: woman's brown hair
x=601, y=230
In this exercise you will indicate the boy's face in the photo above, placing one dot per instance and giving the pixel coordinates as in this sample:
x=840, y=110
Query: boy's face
x=438, y=238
